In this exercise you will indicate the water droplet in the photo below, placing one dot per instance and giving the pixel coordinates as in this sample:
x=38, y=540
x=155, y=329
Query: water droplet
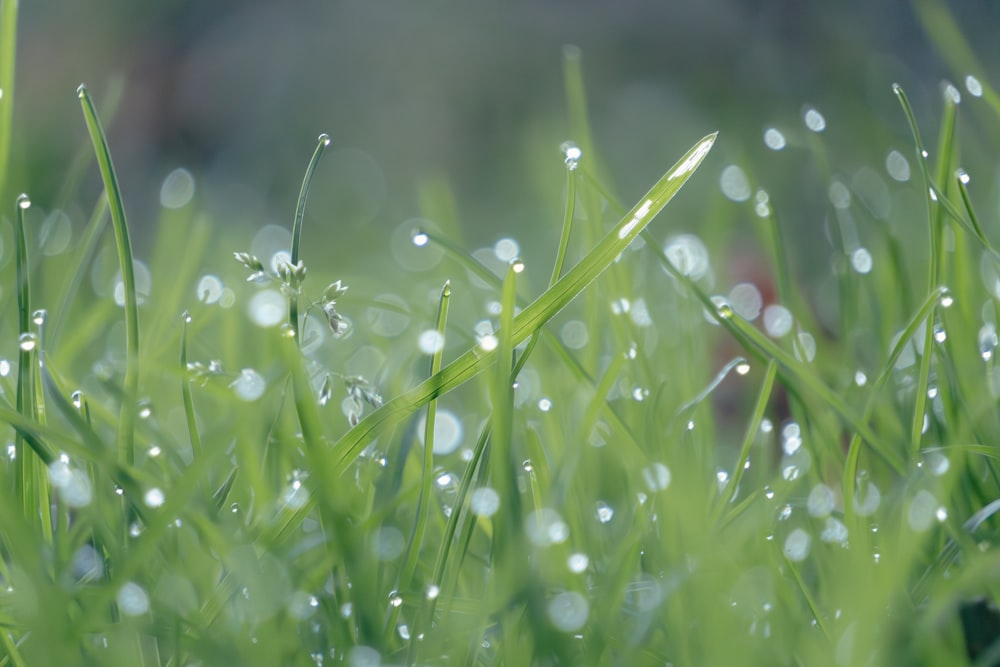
x=447, y=432
x=743, y=368
x=769, y=493
x=544, y=404
x=433, y=591
x=484, y=501
x=363, y=656
x=506, y=249
x=821, y=501
x=4, y=368
x=734, y=183
x=186, y=317
x=897, y=166
x=951, y=93
x=568, y=611
x=860, y=378
x=766, y=425
x=724, y=310
x=604, y=512
x=488, y=342
x=571, y=155
x=791, y=438
x=577, y=562
x=973, y=85
x=420, y=238
x=132, y=599
x=639, y=393
x=209, y=289
x=746, y=301
x=27, y=341
x=834, y=531
x=762, y=205
x=867, y=497
x=177, y=189
x=154, y=497
x=38, y=317
x=946, y=299
x=813, y=119
x=295, y=495
x=545, y=527
x=517, y=266
x=656, y=476
x=249, y=386
x=777, y=321
x=302, y=605
x=962, y=176
x=797, y=545
x=774, y=139
x=861, y=260
x=154, y=451
x=431, y=341
x=922, y=510
x=23, y=202
x=785, y=513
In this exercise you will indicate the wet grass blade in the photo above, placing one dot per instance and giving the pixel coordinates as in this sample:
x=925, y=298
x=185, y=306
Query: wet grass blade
x=300, y=212
x=536, y=314
x=126, y=425
x=189, y=415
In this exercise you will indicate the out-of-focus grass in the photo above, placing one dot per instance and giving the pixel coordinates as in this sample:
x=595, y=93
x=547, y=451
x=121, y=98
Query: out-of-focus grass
x=699, y=461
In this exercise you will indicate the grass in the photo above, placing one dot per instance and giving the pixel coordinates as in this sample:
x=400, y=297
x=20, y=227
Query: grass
x=634, y=466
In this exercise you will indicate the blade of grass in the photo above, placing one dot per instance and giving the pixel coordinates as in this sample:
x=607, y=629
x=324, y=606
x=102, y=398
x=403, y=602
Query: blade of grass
x=26, y=473
x=126, y=425
x=8, y=55
x=405, y=579
x=535, y=315
x=300, y=211
x=189, y=416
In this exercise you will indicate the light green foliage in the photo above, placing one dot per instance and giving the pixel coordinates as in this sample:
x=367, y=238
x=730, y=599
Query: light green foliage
x=631, y=466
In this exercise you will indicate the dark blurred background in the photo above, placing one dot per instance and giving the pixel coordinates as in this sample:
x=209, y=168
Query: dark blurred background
x=465, y=93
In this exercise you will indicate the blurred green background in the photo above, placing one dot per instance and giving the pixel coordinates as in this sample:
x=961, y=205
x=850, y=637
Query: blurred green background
x=467, y=98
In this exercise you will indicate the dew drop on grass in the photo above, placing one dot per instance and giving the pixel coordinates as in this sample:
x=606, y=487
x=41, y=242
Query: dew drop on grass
x=568, y=611
x=973, y=85
x=433, y=591
x=797, y=545
x=249, y=386
x=577, y=562
x=946, y=299
x=834, y=531
x=791, y=438
x=861, y=260
x=734, y=183
x=656, y=476
x=447, y=432
x=4, y=368
x=571, y=155
x=574, y=334
x=897, y=166
x=962, y=176
x=517, y=266
x=11, y=451
x=484, y=501
x=488, y=342
x=132, y=599
x=267, y=308
x=363, y=656
x=777, y=321
x=813, y=119
x=860, y=379
x=746, y=300
x=154, y=497
x=544, y=404
x=431, y=341
x=27, y=341
x=302, y=605
x=922, y=511
x=23, y=202
x=951, y=93
x=295, y=496
x=388, y=543
x=604, y=512
x=821, y=501
x=545, y=527
x=209, y=289
x=774, y=139
x=177, y=189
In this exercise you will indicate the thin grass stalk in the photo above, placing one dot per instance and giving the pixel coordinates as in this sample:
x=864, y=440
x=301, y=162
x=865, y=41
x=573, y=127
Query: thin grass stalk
x=126, y=423
x=189, y=414
x=8, y=55
x=405, y=579
x=300, y=211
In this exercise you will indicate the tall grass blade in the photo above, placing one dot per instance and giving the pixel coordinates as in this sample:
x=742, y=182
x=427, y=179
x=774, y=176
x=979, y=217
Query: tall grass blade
x=126, y=425
x=300, y=212
x=8, y=55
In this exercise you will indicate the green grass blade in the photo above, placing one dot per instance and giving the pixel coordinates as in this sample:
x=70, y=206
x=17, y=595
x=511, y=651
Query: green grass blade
x=535, y=315
x=300, y=212
x=126, y=425
x=189, y=415
x=8, y=55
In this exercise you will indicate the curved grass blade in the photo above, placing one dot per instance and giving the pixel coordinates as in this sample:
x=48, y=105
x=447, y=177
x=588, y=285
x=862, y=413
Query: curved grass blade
x=192, y=424
x=300, y=211
x=536, y=314
x=126, y=424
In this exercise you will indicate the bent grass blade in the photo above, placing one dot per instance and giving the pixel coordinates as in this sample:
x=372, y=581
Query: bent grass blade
x=533, y=317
